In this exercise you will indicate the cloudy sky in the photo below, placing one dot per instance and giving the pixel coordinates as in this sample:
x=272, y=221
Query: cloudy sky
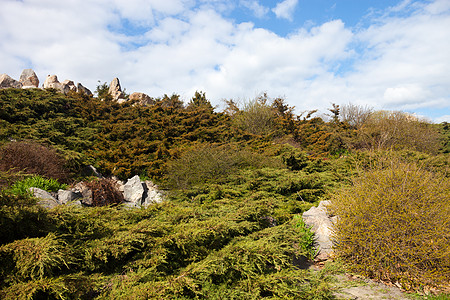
x=387, y=54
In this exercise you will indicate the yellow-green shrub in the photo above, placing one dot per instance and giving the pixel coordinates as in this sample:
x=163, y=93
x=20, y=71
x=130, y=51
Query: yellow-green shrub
x=394, y=224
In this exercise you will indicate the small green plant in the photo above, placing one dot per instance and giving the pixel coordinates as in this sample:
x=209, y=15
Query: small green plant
x=48, y=184
x=306, y=241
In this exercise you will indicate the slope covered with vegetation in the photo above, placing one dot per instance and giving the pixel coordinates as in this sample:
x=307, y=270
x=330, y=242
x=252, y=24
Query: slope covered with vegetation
x=237, y=182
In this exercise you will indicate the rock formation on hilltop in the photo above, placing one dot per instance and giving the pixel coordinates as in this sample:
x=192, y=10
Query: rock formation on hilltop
x=8, y=82
x=116, y=91
x=64, y=87
x=29, y=79
x=142, y=99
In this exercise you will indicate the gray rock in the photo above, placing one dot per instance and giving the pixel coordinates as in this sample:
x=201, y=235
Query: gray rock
x=66, y=196
x=46, y=200
x=84, y=90
x=85, y=192
x=29, y=79
x=321, y=224
x=133, y=190
x=69, y=85
x=152, y=195
x=75, y=203
x=115, y=90
x=8, y=82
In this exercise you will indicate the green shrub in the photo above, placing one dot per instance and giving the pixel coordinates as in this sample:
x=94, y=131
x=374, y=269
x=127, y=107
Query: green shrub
x=256, y=117
x=394, y=224
x=34, y=258
x=207, y=162
x=50, y=185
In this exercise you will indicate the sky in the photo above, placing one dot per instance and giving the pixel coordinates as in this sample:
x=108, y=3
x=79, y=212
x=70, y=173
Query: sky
x=391, y=55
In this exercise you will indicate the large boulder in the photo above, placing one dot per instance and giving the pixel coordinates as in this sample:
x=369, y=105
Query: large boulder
x=29, y=79
x=115, y=90
x=142, y=99
x=133, y=190
x=8, y=82
x=69, y=85
x=321, y=224
x=67, y=196
x=52, y=82
x=46, y=200
x=84, y=90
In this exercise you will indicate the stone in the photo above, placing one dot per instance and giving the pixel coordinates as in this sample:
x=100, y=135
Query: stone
x=142, y=99
x=46, y=200
x=84, y=90
x=8, y=82
x=66, y=196
x=51, y=82
x=152, y=195
x=86, y=193
x=29, y=79
x=91, y=171
x=321, y=224
x=133, y=190
x=115, y=90
x=69, y=85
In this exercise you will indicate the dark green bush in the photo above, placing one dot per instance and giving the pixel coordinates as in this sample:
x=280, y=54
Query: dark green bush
x=394, y=224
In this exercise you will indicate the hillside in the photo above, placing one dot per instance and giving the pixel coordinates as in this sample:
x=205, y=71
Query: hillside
x=237, y=183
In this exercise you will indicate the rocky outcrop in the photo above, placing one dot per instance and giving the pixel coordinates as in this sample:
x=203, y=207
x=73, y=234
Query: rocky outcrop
x=8, y=82
x=64, y=87
x=115, y=90
x=142, y=99
x=29, y=79
x=321, y=223
x=136, y=193
x=70, y=85
x=84, y=90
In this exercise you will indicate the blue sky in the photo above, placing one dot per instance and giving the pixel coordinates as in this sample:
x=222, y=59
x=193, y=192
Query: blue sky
x=392, y=55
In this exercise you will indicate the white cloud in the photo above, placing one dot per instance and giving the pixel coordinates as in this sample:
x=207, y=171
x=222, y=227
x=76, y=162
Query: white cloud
x=285, y=9
x=400, y=62
x=257, y=9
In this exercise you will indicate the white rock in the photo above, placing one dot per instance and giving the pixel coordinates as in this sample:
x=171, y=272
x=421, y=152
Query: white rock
x=321, y=224
x=133, y=190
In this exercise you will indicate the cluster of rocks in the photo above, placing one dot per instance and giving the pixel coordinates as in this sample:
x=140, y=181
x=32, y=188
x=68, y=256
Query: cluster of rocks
x=118, y=95
x=136, y=194
x=28, y=79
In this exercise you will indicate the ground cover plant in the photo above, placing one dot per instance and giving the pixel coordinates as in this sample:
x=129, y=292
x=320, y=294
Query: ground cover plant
x=237, y=182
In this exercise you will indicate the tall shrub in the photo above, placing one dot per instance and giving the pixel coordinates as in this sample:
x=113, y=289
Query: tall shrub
x=33, y=158
x=394, y=224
